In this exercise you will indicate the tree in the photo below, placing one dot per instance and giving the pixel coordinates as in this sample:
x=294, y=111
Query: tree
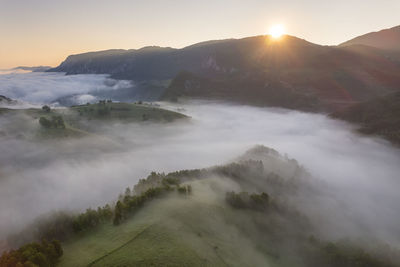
x=33, y=254
x=128, y=191
x=118, y=213
x=46, y=108
x=58, y=248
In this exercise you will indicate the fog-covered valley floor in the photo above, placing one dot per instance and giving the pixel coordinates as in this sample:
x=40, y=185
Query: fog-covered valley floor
x=359, y=175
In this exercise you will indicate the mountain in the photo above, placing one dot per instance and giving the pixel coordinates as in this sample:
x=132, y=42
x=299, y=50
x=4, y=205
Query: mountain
x=387, y=39
x=33, y=69
x=148, y=63
x=292, y=73
x=6, y=101
x=380, y=116
x=288, y=72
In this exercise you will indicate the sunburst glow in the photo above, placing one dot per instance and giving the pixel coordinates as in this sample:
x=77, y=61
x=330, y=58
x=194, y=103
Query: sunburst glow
x=276, y=31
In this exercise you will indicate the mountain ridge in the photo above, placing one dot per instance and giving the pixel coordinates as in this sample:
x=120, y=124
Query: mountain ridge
x=327, y=78
x=388, y=39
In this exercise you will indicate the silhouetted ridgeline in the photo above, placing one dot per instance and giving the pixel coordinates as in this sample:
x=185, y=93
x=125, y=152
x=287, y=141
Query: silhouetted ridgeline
x=387, y=39
x=289, y=72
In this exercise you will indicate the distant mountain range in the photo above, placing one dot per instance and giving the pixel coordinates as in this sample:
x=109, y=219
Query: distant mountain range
x=289, y=72
x=33, y=69
x=5, y=101
x=388, y=39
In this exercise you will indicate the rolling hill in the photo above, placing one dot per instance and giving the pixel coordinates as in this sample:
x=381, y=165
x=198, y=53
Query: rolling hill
x=244, y=213
x=78, y=121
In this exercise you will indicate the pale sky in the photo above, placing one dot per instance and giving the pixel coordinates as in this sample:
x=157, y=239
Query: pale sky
x=44, y=32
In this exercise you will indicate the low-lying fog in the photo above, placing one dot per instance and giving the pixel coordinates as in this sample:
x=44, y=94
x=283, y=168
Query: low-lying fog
x=45, y=88
x=75, y=174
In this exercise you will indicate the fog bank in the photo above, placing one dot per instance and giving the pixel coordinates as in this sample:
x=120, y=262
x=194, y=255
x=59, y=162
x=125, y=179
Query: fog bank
x=361, y=173
x=37, y=177
x=49, y=87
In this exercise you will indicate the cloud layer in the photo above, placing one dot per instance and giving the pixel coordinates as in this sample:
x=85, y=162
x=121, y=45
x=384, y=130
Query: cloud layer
x=362, y=173
x=75, y=174
x=45, y=88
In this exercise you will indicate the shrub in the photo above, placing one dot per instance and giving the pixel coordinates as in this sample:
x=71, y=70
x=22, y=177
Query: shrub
x=54, y=122
x=243, y=200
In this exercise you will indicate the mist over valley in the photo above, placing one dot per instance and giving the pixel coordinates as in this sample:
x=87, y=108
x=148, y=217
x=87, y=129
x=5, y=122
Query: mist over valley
x=268, y=150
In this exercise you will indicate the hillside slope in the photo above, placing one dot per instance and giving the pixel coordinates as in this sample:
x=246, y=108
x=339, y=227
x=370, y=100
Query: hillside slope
x=387, y=39
x=380, y=116
x=78, y=121
x=251, y=212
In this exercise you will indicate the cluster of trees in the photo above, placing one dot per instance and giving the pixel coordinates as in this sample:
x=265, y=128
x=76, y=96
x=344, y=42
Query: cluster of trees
x=153, y=180
x=61, y=225
x=103, y=102
x=129, y=203
x=46, y=108
x=242, y=170
x=56, y=121
x=170, y=179
x=244, y=200
x=44, y=254
x=91, y=218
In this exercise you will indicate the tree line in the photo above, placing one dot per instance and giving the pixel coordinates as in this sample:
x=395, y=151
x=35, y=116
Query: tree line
x=62, y=225
x=244, y=200
x=43, y=254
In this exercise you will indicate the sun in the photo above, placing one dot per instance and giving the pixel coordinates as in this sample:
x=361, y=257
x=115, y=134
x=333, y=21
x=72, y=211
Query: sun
x=276, y=31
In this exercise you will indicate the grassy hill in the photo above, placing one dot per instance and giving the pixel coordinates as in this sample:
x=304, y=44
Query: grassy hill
x=123, y=112
x=78, y=121
x=152, y=238
x=245, y=213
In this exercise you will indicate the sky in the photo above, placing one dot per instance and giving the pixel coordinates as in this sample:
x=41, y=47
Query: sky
x=45, y=32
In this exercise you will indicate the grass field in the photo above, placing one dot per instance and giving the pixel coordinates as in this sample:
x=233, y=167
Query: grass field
x=173, y=231
x=82, y=120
